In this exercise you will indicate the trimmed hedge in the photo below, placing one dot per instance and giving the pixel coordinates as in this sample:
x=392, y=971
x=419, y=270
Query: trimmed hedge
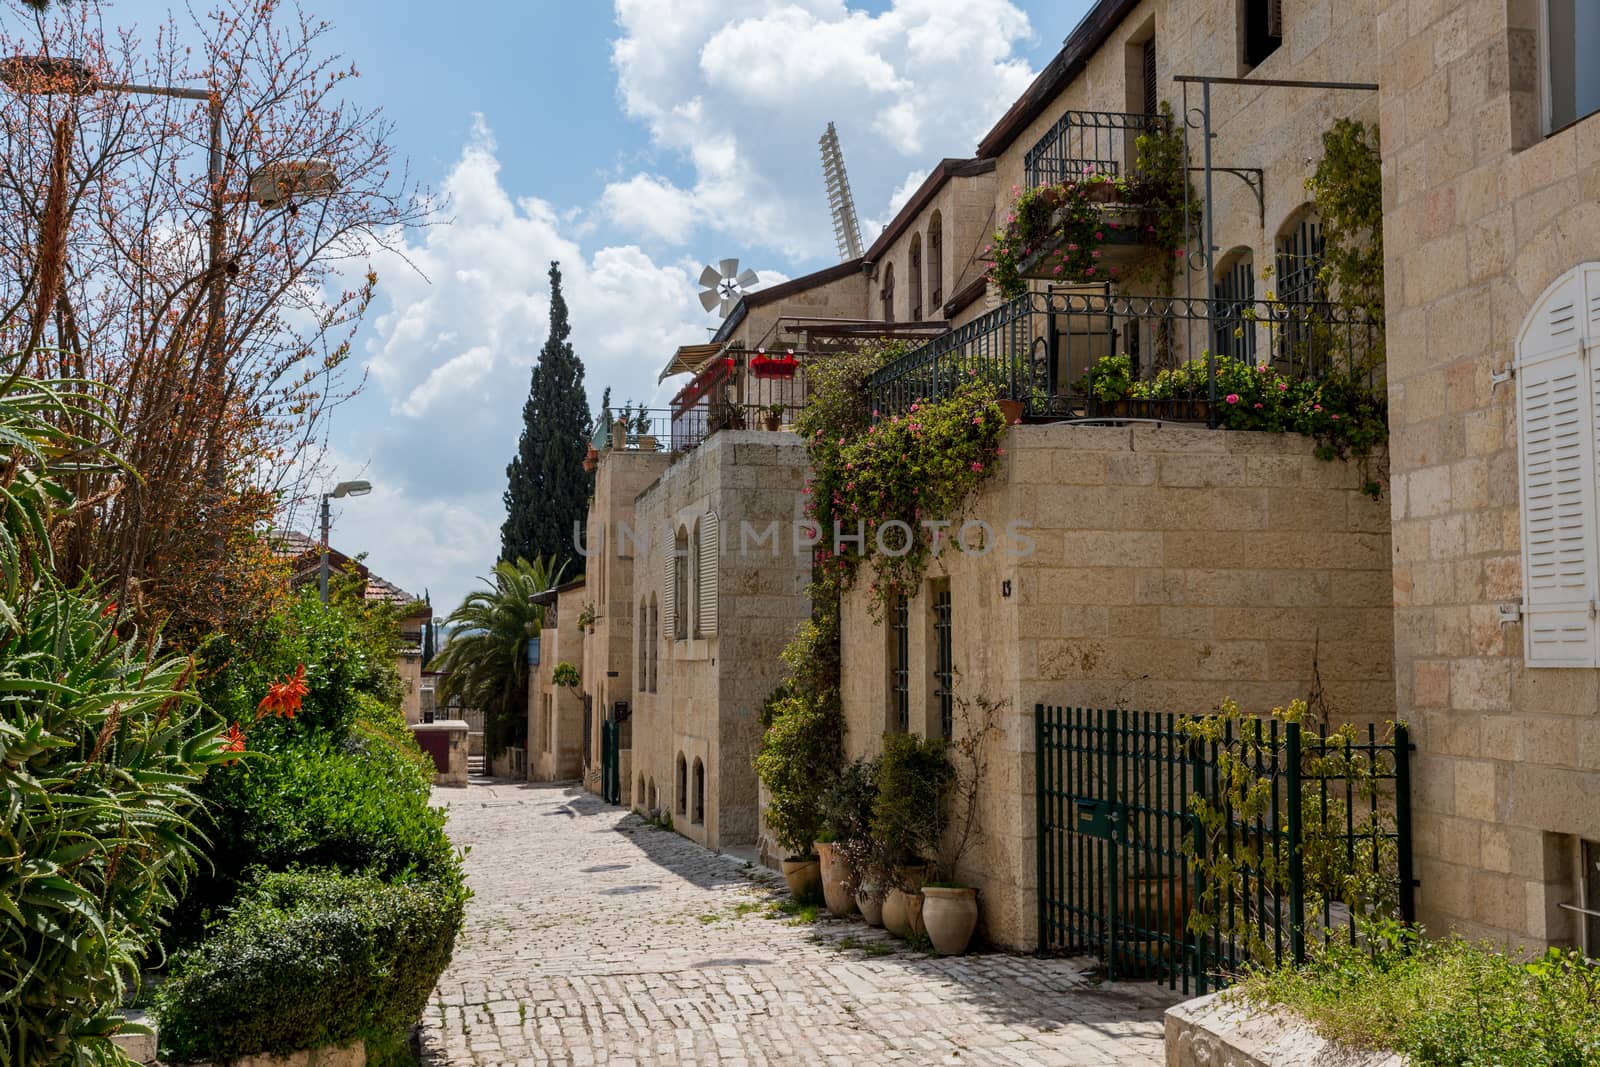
x=310, y=958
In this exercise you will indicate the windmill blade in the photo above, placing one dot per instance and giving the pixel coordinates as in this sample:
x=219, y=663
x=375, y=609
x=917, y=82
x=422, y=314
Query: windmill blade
x=747, y=279
x=728, y=305
x=709, y=278
x=729, y=267
x=710, y=299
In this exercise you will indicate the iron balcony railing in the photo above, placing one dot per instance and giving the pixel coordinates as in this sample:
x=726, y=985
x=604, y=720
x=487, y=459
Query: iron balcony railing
x=1082, y=143
x=1041, y=348
x=742, y=391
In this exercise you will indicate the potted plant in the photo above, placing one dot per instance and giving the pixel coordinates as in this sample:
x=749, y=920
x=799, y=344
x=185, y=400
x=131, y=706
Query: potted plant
x=845, y=844
x=591, y=459
x=565, y=675
x=774, y=417
x=586, y=618
x=950, y=908
x=798, y=757
x=765, y=366
x=1110, y=383
x=914, y=778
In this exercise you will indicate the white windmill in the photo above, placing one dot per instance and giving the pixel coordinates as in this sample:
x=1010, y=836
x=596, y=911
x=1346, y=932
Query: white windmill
x=846, y=231
x=723, y=285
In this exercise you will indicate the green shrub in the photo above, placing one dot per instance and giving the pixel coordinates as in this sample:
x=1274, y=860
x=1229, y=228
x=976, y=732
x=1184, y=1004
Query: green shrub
x=799, y=755
x=347, y=647
x=100, y=749
x=310, y=958
x=909, y=815
x=361, y=806
x=1448, y=1002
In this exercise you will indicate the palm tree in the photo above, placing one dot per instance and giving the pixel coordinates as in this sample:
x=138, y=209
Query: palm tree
x=486, y=656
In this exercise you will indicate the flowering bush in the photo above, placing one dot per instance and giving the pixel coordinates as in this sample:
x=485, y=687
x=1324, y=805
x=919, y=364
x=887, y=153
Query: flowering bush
x=902, y=479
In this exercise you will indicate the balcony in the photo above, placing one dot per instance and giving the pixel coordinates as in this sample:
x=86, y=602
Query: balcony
x=1106, y=191
x=1082, y=353
x=738, y=391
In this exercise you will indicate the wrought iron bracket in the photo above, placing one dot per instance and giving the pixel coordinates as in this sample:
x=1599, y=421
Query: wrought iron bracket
x=1254, y=177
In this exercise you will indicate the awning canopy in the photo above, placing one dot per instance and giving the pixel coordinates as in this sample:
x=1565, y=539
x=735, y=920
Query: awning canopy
x=689, y=359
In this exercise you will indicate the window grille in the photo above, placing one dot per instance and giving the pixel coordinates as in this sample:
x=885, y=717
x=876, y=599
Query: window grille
x=944, y=669
x=900, y=672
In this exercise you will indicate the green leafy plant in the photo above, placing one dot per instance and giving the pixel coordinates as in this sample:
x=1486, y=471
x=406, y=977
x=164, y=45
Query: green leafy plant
x=586, y=617
x=847, y=819
x=800, y=752
x=1348, y=848
x=1111, y=378
x=910, y=812
x=1446, y=1001
x=310, y=958
x=565, y=675
x=1347, y=187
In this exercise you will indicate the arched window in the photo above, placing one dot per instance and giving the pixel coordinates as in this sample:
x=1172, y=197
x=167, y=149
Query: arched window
x=915, y=278
x=1236, y=293
x=699, y=815
x=888, y=292
x=639, y=796
x=683, y=785
x=652, y=802
x=1299, y=259
x=936, y=266
x=678, y=605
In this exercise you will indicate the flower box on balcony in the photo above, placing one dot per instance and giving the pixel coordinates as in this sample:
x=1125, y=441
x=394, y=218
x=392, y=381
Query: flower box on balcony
x=765, y=366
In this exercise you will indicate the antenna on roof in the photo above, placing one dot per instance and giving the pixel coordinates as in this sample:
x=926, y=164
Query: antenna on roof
x=846, y=231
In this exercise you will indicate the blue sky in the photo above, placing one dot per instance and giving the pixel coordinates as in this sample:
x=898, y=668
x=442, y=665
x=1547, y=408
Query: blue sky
x=635, y=141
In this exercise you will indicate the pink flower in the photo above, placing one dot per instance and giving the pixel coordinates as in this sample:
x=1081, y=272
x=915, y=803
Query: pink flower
x=874, y=412
x=1335, y=418
x=1089, y=271
x=1316, y=407
x=1100, y=236
x=1232, y=398
x=1258, y=407
x=1071, y=247
x=977, y=467
x=1283, y=387
x=977, y=420
x=1095, y=253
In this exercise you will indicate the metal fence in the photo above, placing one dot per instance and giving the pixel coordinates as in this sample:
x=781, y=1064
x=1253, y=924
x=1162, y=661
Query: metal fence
x=1082, y=143
x=742, y=391
x=1040, y=348
x=1131, y=807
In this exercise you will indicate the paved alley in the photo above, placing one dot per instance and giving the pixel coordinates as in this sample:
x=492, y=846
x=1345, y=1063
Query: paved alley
x=596, y=938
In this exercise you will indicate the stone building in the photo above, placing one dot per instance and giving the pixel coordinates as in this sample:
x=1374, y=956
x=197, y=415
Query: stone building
x=1492, y=237
x=557, y=750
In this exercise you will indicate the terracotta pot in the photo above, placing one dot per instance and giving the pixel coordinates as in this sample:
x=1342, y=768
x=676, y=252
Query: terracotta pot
x=902, y=908
x=838, y=900
x=871, y=910
x=1012, y=409
x=950, y=916
x=1154, y=903
x=774, y=422
x=804, y=875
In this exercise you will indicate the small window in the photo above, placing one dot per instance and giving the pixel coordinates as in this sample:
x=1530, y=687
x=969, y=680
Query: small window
x=900, y=663
x=944, y=672
x=1262, y=30
x=655, y=645
x=888, y=292
x=1572, y=75
x=678, y=606
x=936, y=266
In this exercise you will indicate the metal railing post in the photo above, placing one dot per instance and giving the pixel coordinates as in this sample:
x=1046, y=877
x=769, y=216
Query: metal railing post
x=1041, y=826
x=1197, y=785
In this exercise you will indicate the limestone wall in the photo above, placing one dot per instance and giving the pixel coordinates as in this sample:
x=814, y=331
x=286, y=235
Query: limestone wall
x=966, y=209
x=709, y=690
x=555, y=713
x=1170, y=568
x=1481, y=213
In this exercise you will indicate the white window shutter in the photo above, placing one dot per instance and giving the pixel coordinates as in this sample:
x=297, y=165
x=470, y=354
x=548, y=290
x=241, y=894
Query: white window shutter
x=1558, y=427
x=706, y=594
x=669, y=592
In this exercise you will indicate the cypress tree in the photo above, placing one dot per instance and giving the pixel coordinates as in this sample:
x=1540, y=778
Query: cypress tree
x=547, y=488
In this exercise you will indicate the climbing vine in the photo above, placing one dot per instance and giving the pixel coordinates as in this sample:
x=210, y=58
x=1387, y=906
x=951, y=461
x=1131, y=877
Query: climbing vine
x=1347, y=187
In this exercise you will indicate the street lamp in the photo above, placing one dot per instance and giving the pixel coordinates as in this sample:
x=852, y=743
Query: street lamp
x=343, y=489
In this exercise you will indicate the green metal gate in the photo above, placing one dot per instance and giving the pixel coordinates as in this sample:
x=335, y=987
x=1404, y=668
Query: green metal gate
x=1118, y=837
x=611, y=761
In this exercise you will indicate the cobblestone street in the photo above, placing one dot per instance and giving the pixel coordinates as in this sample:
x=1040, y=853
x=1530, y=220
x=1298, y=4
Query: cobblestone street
x=595, y=938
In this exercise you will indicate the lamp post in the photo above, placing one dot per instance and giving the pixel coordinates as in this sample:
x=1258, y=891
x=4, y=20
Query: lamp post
x=343, y=489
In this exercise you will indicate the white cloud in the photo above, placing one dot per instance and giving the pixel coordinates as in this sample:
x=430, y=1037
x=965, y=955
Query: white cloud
x=450, y=355
x=743, y=99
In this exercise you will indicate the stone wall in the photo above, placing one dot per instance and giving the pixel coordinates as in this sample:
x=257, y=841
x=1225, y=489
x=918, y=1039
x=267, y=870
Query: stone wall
x=1481, y=213
x=966, y=209
x=709, y=690
x=555, y=713
x=1170, y=568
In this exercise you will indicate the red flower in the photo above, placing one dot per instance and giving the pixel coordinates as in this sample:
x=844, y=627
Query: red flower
x=283, y=698
x=109, y=610
x=232, y=741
